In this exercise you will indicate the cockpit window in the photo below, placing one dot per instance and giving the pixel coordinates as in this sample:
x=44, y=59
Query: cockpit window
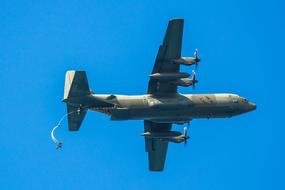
x=244, y=99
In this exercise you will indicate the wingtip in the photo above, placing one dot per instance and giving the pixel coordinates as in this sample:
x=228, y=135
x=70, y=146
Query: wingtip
x=156, y=169
x=176, y=20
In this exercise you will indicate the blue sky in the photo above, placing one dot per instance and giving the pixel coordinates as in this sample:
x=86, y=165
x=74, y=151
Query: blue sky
x=241, y=44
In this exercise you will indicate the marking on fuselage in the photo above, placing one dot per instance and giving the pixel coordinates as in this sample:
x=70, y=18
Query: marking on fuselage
x=206, y=99
x=209, y=99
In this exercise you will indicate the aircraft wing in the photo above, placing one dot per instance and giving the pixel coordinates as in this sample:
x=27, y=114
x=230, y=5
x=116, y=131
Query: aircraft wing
x=156, y=148
x=170, y=49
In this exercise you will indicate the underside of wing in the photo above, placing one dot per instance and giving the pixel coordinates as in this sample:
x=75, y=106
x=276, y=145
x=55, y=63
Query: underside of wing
x=169, y=50
x=156, y=148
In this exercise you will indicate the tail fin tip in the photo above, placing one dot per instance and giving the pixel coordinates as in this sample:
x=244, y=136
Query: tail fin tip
x=76, y=84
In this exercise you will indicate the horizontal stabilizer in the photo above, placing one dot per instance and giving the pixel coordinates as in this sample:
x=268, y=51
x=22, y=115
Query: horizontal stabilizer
x=75, y=117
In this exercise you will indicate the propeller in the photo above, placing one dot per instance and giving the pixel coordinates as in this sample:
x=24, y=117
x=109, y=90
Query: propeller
x=196, y=57
x=185, y=136
x=194, y=81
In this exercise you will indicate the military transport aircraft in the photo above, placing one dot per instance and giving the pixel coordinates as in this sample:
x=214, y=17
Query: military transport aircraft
x=162, y=106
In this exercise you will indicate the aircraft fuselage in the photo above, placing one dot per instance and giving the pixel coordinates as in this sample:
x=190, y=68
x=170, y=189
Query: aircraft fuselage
x=178, y=108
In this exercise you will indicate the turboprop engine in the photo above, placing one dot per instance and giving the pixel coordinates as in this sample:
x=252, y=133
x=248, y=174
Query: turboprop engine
x=188, y=60
x=169, y=76
x=170, y=136
x=185, y=82
x=185, y=61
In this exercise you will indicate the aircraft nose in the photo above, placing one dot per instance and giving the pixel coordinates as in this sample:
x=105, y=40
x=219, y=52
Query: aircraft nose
x=252, y=106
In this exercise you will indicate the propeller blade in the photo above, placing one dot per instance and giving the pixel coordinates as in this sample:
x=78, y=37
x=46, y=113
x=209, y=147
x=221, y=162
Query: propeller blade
x=185, y=136
x=193, y=75
x=193, y=79
x=196, y=56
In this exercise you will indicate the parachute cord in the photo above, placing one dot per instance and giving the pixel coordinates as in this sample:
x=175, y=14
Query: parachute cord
x=54, y=139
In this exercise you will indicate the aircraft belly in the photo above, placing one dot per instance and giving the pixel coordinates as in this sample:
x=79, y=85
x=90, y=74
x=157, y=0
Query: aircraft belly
x=152, y=114
x=148, y=114
x=120, y=114
x=170, y=109
x=171, y=114
x=211, y=111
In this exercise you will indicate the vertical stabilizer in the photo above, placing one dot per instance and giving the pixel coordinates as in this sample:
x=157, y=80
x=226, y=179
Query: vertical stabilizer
x=76, y=84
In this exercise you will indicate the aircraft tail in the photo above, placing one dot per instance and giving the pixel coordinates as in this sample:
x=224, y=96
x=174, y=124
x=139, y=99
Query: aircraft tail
x=76, y=84
x=75, y=90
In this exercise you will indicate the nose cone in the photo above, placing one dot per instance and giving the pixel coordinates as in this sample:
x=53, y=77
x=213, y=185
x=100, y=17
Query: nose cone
x=251, y=106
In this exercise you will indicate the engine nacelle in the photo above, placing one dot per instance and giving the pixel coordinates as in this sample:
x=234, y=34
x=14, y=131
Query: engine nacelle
x=162, y=135
x=169, y=136
x=169, y=76
x=186, y=61
x=184, y=82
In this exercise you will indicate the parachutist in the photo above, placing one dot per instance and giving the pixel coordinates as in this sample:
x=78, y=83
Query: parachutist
x=58, y=145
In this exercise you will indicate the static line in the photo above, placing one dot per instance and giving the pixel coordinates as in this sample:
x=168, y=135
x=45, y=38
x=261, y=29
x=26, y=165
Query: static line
x=54, y=139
